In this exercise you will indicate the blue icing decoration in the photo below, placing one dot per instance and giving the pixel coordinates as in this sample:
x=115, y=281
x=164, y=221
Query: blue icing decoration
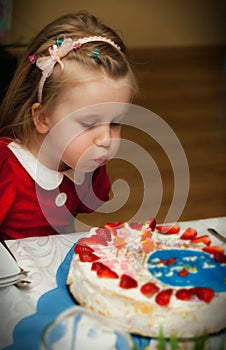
x=59, y=332
x=77, y=319
x=203, y=269
x=92, y=333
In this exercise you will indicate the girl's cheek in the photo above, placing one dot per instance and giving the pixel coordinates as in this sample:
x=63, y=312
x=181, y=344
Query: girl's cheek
x=115, y=145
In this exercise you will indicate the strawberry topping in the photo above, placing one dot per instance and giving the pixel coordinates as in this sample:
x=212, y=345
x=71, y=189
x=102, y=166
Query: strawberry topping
x=127, y=282
x=151, y=223
x=217, y=252
x=136, y=226
x=184, y=294
x=113, y=227
x=88, y=257
x=103, y=271
x=81, y=248
x=220, y=257
x=96, y=265
x=189, y=233
x=104, y=233
x=213, y=249
x=163, y=297
x=204, y=294
x=149, y=289
x=93, y=240
x=168, y=229
x=201, y=239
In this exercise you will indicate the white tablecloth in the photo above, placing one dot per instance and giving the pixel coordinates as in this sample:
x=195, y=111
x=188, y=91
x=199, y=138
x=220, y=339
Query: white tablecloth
x=42, y=257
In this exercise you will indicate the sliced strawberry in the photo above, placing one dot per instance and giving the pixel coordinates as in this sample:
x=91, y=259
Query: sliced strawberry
x=80, y=248
x=204, y=294
x=151, y=223
x=163, y=297
x=106, y=272
x=201, y=239
x=149, y=289
x=136, y=226
x=119, y=224
x=183, y=272
x=104, y=233
x=127, y=282
x=212, y=249
x=88, y=257
x=103, y=270
x=98, y=240
x=85, y=241
x=217, y=252
x=96, y=265
x=93, y=240
x=184, y=294
x=220, y=257
x=189, y=233
x=113, y=227
x=168, y=229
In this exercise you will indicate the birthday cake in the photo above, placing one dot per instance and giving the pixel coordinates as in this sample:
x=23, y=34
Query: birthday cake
x=151, y=278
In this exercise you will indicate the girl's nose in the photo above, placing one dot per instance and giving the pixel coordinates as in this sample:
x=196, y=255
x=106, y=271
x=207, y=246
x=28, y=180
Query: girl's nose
x=103, y=138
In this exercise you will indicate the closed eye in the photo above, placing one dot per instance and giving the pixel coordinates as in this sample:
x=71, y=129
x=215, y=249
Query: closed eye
x=115, y=124
x=88, y=124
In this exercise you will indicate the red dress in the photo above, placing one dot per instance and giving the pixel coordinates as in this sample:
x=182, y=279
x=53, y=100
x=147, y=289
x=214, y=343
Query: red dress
x=37, y=201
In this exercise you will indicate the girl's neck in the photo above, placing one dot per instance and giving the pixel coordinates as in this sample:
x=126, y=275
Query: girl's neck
x=48, y=159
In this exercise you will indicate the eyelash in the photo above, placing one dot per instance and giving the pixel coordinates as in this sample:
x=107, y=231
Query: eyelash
x=93, y=124
x=88, y=124
x=115, y=124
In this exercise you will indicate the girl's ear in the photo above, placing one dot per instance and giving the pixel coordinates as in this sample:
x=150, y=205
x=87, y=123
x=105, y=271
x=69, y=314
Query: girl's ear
x=39, y=119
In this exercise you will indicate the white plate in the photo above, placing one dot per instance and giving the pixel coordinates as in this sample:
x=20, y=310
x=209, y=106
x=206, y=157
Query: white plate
x=8, y=266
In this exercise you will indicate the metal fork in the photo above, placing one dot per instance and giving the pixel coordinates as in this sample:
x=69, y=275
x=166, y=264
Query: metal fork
x=217, y=234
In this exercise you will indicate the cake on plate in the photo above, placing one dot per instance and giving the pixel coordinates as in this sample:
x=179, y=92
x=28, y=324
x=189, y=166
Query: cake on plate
x=151, y=278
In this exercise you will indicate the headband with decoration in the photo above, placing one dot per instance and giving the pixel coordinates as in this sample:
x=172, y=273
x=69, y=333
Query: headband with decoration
x=63, y=47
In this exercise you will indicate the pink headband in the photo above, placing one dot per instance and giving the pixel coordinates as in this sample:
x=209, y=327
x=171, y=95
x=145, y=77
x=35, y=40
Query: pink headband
x=46, y=64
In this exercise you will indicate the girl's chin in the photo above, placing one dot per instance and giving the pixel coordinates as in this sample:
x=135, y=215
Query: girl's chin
x=86, y=167
x=90, y=165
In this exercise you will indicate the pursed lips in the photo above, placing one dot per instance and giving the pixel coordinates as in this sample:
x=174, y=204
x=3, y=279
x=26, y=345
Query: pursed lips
x=101, y=160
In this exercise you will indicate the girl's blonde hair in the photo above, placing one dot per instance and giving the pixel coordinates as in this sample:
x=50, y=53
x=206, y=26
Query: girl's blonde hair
x=15, y=111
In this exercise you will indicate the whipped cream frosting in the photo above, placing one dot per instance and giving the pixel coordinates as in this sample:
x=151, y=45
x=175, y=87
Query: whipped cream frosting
x=134, y=310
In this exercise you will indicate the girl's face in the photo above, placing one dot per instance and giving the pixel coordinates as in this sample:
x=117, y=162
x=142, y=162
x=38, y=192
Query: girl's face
x=84, y=125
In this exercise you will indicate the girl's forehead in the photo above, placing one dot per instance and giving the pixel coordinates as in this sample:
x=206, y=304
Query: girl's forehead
x=81, y=87
x=92, y=90
x=102, y=111
x=77, y=73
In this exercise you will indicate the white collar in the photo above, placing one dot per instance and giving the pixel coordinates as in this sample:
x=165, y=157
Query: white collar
x=46, y=178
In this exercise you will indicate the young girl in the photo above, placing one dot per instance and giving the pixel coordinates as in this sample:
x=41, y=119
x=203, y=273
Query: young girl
x=46, y=177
